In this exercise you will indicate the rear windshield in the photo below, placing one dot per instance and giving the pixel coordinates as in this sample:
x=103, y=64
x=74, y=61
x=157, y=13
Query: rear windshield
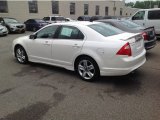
x=105, y=29
x=129, y=24
x=60, y=18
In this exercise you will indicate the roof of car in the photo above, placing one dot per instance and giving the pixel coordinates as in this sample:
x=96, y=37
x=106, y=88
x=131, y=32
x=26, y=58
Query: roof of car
x=85, y=23
x=54, y=16
x=150, y=9
x=112, y=20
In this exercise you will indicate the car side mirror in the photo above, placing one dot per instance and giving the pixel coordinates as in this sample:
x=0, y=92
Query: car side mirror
x=32, y=37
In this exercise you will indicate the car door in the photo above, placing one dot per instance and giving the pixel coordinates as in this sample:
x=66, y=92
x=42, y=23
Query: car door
x=40, y=48
x=67, y=45
x=27, y=23
x=139, y=18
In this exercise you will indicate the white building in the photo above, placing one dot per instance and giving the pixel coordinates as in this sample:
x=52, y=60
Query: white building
x=23, y=10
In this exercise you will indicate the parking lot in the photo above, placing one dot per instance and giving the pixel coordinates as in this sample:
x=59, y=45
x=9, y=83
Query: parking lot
x=42, y=92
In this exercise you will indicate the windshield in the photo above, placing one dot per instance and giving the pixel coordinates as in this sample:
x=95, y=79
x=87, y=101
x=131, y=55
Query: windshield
x=129, y=24
x=10, y=20
x=105, y=29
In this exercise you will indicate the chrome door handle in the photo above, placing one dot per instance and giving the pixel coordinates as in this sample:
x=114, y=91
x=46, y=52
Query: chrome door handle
x=76, y=46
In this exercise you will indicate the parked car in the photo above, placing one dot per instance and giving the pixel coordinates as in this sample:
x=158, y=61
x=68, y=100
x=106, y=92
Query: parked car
x=83, y=18
x=89, y=48
x=54, y=19
x=3, y=30
x=69, y=20
x=148, y=18
x=128, y=26
x=35, y=24
x=93, y=18
x=111, y=17
x=12, y=25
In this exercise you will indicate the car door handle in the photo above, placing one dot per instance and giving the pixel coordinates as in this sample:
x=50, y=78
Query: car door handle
x=76, y=46
x=143, y=24
x=47, y=43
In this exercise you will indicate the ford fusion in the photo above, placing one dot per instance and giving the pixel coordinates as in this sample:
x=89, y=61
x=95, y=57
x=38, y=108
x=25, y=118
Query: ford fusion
x=92, y=49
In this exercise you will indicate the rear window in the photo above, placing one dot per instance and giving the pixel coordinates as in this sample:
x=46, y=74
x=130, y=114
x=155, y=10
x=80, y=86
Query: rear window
x=129, y=24
x=60, y=18
x=154, y=15
x=105, y=29
x=46, y=18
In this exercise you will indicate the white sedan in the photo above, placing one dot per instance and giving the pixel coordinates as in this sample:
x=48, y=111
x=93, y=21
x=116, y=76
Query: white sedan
x=89, y=48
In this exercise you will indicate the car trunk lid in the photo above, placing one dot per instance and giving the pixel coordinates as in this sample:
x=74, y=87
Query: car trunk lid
x=135, y=40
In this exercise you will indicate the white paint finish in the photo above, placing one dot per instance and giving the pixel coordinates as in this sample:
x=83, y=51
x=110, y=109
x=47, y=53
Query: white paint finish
x=148, y=23
x=64, y=52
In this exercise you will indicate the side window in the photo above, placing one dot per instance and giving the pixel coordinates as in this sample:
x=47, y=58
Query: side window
x=53, y=18
x=139, y=15
x=70, y=33
x=154, y=15
x=47, y=32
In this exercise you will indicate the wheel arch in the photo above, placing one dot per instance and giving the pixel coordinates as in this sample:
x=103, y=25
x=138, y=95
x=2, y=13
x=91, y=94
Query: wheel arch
x=16, y=46
x=85, y=55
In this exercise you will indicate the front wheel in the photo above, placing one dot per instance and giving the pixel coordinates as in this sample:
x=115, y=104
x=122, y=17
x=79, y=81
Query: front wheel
x=87, y=69
x=21, y=55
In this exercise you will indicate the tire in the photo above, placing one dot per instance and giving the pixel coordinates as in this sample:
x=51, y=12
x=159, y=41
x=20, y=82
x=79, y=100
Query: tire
x=21, y=55
x=87, y=69
x=8, y=30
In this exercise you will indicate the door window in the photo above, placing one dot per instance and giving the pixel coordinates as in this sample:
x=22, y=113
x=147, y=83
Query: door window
x=70, y=33
x=47, y=32
x=139, y=15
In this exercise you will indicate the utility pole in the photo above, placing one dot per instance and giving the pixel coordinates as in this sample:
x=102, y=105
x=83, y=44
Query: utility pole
x=114, y=8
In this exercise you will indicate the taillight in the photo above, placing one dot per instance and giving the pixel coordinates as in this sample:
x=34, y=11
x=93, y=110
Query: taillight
x=145, y=36
x=125, y=50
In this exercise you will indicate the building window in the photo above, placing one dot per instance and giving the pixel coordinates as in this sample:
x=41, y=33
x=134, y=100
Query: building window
x=106, y=10
x=85, y=9
x=97, y=10
x=121, y=11
x=55, y=7
x=33, y=7
x=3, y=7
x=72, y=8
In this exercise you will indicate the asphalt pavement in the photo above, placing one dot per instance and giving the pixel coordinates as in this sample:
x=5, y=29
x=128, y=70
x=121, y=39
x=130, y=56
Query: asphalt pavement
x=43, y=92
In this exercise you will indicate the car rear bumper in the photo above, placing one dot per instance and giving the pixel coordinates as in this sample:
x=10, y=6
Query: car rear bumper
x=131, y=63
x=150, y=44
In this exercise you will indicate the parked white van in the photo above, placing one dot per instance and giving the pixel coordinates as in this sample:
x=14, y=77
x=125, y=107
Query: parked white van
x=148, y=18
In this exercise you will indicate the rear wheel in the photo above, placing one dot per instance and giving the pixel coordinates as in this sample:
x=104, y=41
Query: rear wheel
x=21, y=55
x=87, y=69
